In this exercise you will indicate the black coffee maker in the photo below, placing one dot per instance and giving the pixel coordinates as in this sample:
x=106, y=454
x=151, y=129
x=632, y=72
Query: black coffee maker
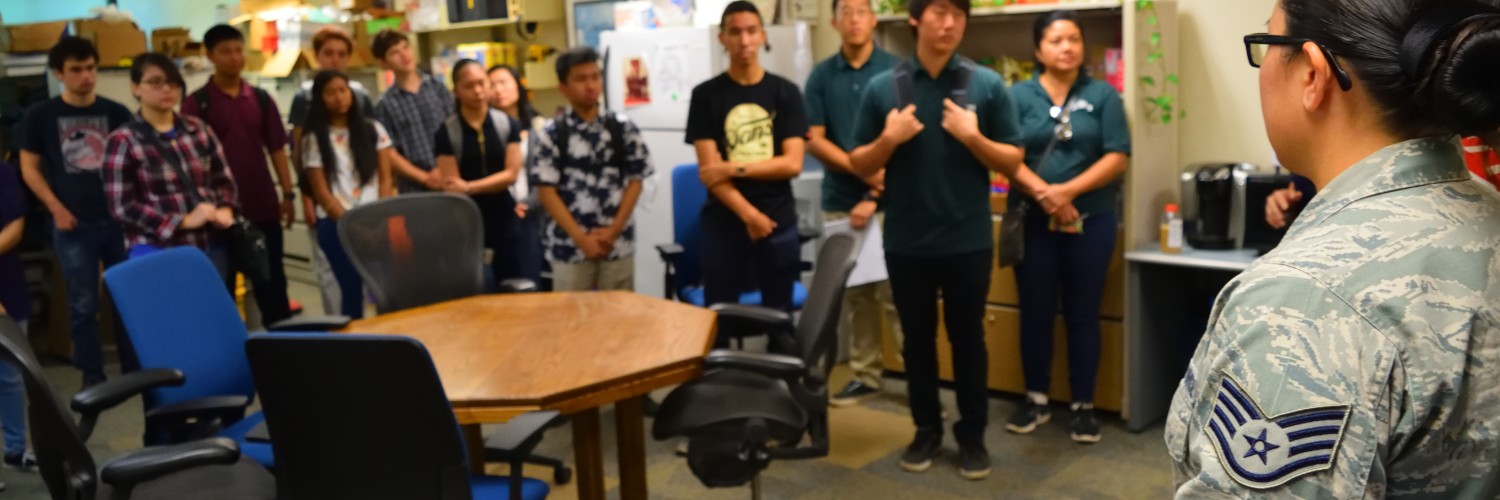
x=1223, y=205
x=1208, y=200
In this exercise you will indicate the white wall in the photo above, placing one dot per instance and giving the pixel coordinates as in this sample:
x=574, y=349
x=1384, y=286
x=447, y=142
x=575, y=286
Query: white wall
x=1219, y=88
x=196, y=15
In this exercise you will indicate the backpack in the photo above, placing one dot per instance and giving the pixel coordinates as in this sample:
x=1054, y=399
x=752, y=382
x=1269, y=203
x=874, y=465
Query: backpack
x=200, y=96
x=561, y=134
x=455, y=126
x=906, y=92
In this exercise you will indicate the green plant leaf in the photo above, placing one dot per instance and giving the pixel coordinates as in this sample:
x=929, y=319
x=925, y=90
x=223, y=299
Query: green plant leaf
x=1156, y=39
x=1172, y=78
x=1151, y=21
x=1153, y=57
x=1142, y=4
x=1149, y=81
x=1166, y=119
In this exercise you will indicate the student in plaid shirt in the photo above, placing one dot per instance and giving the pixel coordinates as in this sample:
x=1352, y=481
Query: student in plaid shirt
x=412, y=110
x=144, y=160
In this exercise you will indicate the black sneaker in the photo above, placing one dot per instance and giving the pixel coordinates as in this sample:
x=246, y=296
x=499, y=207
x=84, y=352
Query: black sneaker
x=1028, y=417
x=25, y=462
x=1085, y=428
x=853, y=393
x=918, y=456
x=974, y=461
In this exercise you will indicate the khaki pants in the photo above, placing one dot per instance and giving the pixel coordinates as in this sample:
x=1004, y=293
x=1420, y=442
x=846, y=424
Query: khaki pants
x=594, y=275
x=863, y=307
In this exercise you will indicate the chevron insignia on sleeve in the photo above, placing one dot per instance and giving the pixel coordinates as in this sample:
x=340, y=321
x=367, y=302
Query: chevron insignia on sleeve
x=1263, y=452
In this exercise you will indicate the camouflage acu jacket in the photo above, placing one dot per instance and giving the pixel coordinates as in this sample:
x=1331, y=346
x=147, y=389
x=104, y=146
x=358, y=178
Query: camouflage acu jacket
x=1361, y=358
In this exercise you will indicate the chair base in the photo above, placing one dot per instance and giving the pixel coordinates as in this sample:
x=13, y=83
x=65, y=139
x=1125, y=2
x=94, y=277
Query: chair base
x=561, y=473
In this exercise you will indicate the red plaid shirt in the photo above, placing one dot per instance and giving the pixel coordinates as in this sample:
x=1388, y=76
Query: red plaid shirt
x=145, y=188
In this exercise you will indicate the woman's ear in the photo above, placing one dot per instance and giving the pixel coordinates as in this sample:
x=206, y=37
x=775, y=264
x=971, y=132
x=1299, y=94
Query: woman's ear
x=1317, y=79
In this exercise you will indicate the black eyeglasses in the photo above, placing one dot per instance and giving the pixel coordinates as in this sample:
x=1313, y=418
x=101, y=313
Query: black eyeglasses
x=1259, y=44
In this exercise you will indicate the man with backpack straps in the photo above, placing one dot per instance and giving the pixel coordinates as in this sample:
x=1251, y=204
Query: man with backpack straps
x=588, y=165
x=938, y=141
x=249, y=125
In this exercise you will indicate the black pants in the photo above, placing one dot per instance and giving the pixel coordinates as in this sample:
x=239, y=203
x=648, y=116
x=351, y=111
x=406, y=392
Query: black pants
x=271, y=297
x=963, y=282
x=728, y=256
x=1072, y=267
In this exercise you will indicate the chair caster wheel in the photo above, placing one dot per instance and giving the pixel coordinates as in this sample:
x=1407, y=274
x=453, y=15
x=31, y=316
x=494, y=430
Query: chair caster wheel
x=562, y=475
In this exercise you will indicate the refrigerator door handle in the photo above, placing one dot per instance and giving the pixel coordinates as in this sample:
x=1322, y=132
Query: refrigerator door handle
x=605, y=74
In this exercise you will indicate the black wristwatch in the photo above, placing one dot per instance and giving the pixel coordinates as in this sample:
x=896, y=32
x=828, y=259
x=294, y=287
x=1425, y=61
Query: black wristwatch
x=870, y=196
x=289, y=196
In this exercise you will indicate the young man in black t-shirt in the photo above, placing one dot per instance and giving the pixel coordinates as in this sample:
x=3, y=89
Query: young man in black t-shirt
x=748, y=127
x=62, y=151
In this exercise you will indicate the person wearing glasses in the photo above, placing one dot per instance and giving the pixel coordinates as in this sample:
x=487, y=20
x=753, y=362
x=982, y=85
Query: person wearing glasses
x=165, y=176
x=1077, y=141
x=1359, y=358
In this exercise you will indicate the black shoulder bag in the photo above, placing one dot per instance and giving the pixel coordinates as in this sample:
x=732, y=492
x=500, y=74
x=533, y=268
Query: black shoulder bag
x=248, y=254
x=1013, y=224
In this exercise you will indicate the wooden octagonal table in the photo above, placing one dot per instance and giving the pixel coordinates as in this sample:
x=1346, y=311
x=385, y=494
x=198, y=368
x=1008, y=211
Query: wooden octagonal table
x=503, y=355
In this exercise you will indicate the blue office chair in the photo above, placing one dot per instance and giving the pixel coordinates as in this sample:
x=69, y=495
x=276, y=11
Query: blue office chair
x=405, y=442
x=684, y=257
x=178, y=315
x=210, y=468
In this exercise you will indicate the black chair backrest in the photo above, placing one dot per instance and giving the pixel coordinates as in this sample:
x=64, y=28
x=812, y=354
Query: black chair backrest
x=64, y=461
x=817, y=328
x=416, y=249
x=357, y=416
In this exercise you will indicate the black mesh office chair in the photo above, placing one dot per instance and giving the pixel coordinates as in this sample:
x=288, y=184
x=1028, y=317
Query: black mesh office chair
x=206, y=469
x=405, y=443
x=750, y=408
x=425, y=248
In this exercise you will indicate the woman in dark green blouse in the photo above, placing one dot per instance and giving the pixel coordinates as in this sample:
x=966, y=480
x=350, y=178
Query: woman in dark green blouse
x=1076, y=140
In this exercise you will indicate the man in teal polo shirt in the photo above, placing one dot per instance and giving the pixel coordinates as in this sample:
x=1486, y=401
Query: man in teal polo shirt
x=832, y=101
x=938, y=237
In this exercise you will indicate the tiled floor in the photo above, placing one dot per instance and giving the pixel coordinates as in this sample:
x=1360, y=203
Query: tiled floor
x=867, y=442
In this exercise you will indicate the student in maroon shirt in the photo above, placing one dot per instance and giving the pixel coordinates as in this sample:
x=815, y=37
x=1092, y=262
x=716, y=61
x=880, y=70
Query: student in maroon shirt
x=247, y=122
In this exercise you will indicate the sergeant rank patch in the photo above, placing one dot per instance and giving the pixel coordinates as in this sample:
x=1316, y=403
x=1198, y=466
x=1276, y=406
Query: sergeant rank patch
x=1264, y=452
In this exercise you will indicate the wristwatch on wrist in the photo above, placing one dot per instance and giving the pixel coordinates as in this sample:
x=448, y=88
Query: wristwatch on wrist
x=870, y=196
x=739, y=170
x=289, y=196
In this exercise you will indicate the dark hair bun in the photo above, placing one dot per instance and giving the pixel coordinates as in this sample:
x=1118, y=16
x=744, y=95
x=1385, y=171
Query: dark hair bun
x=1466, y=84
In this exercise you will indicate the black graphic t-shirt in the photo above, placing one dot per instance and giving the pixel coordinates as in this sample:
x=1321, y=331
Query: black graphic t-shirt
x=70, y=141
x=748, y=123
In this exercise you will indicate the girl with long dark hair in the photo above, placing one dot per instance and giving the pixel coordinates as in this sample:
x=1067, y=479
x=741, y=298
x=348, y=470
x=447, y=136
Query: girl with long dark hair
x=347, y=161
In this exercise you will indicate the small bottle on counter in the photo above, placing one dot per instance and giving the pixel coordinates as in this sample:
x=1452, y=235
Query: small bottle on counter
x=1171, y=230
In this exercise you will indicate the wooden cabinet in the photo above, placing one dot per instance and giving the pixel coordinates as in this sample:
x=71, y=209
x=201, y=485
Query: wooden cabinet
x=1002, y=336
x=1003, y=281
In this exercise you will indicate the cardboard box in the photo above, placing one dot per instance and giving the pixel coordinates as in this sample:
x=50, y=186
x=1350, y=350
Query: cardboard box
x=35, y=37
x=171, y=41
x=258, y=6
x=287, y=61
x=118, y=43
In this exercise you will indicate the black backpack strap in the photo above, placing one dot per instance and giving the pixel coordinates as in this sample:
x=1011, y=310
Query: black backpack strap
x=959, y=93
x=616, y=128
x=200, y=97
x=264, y=98
x=561, y=134
x=906, y=87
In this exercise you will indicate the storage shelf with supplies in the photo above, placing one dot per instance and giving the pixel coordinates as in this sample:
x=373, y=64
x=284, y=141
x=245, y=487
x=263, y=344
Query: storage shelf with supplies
x=1022, y=9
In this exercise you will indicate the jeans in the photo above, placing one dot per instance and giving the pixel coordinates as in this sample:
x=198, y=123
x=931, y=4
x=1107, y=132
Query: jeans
x=270, y=297
x=528, y=249
x=962, y=282
x=13, y=405
x=1074, y=265
x=728, y=254
x=351, y=287
x=81, y=252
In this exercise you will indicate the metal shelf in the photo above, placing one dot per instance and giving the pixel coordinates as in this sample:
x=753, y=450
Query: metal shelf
x=1024, y=9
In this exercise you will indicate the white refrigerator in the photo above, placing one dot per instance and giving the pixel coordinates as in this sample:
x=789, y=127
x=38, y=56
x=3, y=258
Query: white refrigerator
x=674, y=60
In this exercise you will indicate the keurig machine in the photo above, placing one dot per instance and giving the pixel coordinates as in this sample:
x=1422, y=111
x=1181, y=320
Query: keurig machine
x=1223, y=205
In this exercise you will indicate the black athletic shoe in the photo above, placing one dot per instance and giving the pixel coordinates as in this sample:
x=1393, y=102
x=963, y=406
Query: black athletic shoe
x=918, y=456
x=1028, y=416
x=1085, y=429
x=974, y=461
x=852, y=394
